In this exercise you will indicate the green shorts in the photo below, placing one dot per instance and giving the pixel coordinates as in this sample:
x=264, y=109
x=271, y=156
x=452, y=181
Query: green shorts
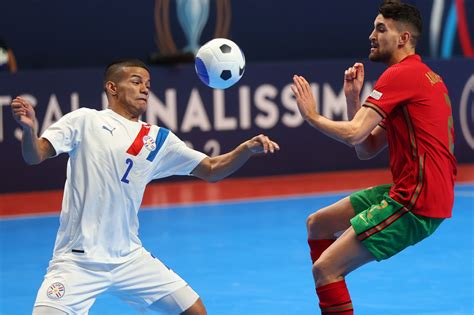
x=386, y=227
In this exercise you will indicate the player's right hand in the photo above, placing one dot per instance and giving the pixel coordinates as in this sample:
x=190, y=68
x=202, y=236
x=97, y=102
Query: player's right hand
x=23, y=112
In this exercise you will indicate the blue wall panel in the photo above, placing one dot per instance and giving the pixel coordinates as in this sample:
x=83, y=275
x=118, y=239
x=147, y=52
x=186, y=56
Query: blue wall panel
x=216, y=121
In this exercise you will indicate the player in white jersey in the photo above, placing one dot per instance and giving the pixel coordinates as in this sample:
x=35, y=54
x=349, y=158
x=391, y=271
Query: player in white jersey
x=112, y=157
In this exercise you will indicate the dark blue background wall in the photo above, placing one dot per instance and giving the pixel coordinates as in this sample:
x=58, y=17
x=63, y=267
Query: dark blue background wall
x=57, y=33
x=216, y=121
x=86, y=35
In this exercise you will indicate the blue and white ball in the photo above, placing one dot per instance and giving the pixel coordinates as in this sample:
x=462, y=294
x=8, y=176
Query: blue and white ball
x=220, y=63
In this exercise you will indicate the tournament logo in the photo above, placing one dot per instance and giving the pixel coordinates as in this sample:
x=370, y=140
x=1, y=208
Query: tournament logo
x=149, y=143
x=56, y=291
x=192, y=17
x=466, y=112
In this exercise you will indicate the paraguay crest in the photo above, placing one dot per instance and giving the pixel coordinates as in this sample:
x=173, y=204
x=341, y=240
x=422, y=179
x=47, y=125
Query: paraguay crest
x=56, y=291
x=149, y=143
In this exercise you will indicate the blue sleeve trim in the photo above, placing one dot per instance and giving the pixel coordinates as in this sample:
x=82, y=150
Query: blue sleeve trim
x=160, y=139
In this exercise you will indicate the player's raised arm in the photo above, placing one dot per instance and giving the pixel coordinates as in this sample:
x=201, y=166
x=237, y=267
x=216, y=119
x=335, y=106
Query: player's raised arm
x=376, y=141
x=215, y=168
x=351, y=132
x=35, y=150
x=353, y=82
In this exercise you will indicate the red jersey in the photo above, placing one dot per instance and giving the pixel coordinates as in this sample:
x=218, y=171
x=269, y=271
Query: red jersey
x=415, y=105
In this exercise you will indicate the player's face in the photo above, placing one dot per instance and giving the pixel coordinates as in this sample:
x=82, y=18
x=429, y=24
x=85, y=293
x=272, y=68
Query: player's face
x=383, y=40
x=133, y=90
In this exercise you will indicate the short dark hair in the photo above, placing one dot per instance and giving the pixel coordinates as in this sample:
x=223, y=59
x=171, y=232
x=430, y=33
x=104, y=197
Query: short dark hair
x=404, y=13
x=114, y=68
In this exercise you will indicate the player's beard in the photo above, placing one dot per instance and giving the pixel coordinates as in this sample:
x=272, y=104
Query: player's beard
x=378, y=56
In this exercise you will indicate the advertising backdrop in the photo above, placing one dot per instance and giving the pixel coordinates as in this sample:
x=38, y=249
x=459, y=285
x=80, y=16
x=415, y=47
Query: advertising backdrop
x=215, y=121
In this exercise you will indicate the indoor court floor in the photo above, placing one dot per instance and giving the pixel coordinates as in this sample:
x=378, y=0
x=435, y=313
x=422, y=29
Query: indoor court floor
x=250, y=256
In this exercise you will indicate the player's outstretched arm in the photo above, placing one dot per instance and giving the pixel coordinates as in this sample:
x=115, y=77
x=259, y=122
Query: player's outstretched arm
x=350, y=132
x=213, y=169
x=35, y=150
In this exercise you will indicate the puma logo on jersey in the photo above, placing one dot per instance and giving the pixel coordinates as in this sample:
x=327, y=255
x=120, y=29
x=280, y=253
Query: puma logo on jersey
x=111, y=130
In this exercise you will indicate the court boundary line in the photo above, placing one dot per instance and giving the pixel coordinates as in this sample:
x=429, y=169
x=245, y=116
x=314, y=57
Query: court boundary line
x=166, y=193
x=233, y=201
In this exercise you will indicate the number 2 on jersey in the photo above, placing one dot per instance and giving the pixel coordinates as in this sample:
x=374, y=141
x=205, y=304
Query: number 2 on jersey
x=129, y=167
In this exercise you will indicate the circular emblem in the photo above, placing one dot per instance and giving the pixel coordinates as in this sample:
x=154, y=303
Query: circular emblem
x=56, y=291
x=466, y=112
x=149, y=143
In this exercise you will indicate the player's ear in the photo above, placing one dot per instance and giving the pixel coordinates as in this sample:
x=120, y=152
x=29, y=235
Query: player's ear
x=111, y=87
x=404, y=38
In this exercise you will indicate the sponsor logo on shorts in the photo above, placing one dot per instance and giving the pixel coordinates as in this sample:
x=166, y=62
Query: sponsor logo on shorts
x=382, y=205
x=361, y=216
x=369, y=214
x=149, y=143
x=56, y=291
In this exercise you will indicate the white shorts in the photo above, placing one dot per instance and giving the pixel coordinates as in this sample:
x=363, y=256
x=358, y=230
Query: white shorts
x=73, y=286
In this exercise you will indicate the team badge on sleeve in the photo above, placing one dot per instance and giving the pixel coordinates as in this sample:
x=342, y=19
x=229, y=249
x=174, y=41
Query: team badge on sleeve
x=376, y=94
x=149, y=143
x=56, y=291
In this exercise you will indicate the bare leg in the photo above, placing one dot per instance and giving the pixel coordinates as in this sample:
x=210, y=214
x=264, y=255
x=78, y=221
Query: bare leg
x=333, y=260
x=326, y=222
x=183, y=299
x=197, y=309
x=342, y=257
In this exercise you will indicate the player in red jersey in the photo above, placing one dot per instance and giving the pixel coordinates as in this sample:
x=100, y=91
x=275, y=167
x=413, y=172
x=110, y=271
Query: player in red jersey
x=409, y=110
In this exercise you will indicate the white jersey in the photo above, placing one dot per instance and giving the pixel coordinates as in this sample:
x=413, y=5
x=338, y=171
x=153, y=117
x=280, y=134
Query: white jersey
x=111, y=160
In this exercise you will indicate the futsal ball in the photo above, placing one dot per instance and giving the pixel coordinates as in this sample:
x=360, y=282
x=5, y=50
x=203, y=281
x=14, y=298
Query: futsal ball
x=220, y=63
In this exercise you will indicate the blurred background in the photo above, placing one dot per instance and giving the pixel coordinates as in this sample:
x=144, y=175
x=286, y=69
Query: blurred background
x=55, y=52
x=60, y=34
x=85, y=34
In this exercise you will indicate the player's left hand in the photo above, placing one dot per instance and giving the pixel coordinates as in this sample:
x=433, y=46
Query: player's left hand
x=353, y=82
x=262, y=144
x=304, y=97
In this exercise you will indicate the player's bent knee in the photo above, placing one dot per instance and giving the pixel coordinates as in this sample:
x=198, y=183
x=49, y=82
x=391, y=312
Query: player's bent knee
x=321, y=269
x=324, y=272
x=310, y=221
x=316, y=270
x=313, y=223
x=47, y=310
